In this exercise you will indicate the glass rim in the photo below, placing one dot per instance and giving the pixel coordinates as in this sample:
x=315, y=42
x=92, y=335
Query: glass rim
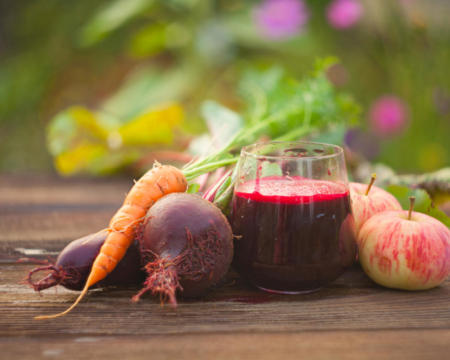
x=337, y=150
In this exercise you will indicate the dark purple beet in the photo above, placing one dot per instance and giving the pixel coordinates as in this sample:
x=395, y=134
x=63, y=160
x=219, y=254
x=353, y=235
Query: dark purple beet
x=75, y=261
x=187, y=244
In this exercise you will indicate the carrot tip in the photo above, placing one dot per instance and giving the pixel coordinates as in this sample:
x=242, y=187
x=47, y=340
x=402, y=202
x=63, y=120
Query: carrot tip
x=43, y=317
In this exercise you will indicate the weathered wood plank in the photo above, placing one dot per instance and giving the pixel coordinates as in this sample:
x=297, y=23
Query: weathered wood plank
x=352, y=302
x=357, y=345
x=28, y=191
x=48, y=212
x=351, y=318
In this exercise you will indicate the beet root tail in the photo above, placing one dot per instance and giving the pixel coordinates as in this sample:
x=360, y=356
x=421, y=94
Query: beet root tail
x=55, y=277
x=162, y=280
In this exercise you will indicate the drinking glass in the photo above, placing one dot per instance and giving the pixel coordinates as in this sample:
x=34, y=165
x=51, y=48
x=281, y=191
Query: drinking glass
x=291, y=215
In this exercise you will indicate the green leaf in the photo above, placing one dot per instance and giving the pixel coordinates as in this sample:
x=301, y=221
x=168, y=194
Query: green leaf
x=111, y=17
x=255, y=88
x=147, y=87
x=436, y=183
x=200, y=145
x=350, y=108
x=148, y=41
x=422, y=204
x=323, y=64
x=333, y=135
x=223, y=123
x=288, y=104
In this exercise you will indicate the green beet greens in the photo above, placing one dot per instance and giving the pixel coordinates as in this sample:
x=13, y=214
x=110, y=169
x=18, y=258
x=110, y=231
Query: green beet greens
x=280, y=108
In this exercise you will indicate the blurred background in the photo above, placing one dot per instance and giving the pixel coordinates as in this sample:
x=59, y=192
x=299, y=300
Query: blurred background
x=97, y=87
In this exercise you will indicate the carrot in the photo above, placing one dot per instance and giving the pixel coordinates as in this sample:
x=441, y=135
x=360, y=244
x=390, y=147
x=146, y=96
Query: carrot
x=157, y=182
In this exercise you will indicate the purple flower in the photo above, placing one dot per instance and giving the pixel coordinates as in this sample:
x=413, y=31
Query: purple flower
x=343, y=14
x=388, y=115
x=280, y=19
x=441, y=101
x=362, y=142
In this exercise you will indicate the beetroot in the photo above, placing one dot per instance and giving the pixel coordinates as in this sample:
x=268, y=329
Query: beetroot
x=75, y=261
x=187, y=245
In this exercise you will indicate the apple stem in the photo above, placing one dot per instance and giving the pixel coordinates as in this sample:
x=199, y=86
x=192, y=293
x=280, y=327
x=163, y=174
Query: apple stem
x=412, y=200
x=372, y=180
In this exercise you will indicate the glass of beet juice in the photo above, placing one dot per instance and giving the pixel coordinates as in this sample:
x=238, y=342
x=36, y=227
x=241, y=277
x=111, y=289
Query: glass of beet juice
x=291, y=216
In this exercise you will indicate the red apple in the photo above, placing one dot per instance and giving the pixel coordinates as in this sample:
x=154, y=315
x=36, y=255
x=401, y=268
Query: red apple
x=405, y=252
x=368, y=200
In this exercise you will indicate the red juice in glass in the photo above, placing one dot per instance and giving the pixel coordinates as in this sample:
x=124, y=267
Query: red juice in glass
x=294, y=233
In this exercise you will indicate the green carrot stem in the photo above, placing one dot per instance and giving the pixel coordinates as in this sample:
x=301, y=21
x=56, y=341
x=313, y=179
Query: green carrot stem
x=241, y=138
x=191, y=174
x=206, y=165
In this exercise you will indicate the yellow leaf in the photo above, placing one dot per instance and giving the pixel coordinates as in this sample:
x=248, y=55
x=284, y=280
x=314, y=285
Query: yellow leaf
x=79, y=158
x=154, y=126
x=87, y=120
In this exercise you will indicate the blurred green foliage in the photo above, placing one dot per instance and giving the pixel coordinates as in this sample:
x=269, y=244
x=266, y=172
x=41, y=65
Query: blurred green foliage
x=100, y=65
x=422, y=203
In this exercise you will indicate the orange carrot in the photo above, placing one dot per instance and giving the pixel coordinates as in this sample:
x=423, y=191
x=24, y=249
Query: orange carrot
x=157, y=182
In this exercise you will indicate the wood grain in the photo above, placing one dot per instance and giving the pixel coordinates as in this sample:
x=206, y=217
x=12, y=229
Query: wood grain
x=318, y=345
x=351, y=318
x=350, y=303
x=47, y=212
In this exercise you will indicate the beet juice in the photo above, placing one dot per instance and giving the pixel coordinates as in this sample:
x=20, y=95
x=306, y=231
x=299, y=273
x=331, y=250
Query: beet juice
x=293, y=234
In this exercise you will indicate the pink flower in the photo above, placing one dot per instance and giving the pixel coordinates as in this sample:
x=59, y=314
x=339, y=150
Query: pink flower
x=388, y=115
x=280, y=19
x=343, y=14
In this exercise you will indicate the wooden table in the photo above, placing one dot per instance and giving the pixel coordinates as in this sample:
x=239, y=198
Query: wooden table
x=349, y=319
